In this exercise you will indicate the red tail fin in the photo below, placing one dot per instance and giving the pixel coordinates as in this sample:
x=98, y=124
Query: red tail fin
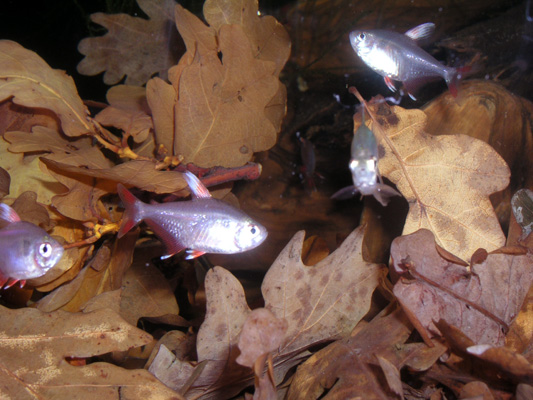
x=453, y=81
x=133, y=210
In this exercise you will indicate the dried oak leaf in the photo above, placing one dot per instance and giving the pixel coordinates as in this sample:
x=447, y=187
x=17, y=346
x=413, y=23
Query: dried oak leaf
x=481, y=303
x=34, y=347
x=344, y=367
x=5, y=181
x=268, y=38
x=29, y=81
x=142, y=174
x=146, y=293
x=133, y=47
x=26, y=173
x=223, y=90
x=320, y=303
x=446, y=179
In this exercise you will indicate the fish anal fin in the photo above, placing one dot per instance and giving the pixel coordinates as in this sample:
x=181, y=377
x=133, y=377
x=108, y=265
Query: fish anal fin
x=171, y=242
x=389, y=83
x=3, y=280
x=10, y=282
x=412, y=86
x=7, y=215
x=197, y=188
x=383, y=193
x=191, y=254
x=422, y=31
x=22, y=283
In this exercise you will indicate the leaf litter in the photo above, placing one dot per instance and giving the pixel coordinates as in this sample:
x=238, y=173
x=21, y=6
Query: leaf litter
x=324, y=330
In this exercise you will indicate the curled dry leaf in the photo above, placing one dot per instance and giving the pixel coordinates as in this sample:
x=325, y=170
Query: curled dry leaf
x=344, y=367
x=29, y=210
x=319, y=303
x=482, y=302
x=133, y=47
x=27, y=173
x=142, y=174
x=56, y=336
x=30, y=82
x=446, y=179
x=261, y=334
x=5, y=181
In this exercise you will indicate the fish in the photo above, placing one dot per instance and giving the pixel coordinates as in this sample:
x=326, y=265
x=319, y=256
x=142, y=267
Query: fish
x=201, y=225
x=307, y=154
x=364, y=168
x=26, y=250
x=398, y=57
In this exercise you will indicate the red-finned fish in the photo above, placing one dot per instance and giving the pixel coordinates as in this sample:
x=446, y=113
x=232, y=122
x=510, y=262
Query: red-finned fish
x=203, y=225
x=398, y=57
x=26, y=251
x=364, y=168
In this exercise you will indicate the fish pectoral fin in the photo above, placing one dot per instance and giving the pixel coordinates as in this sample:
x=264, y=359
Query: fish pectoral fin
x=191, y=254
x=345, y=193
x=198, y=190
x=389, y=83
x=422, y=31
x=383, y=193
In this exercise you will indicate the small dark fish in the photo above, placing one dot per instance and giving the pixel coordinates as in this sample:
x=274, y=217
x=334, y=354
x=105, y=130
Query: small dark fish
x=397, y=56
x=522, y=206
x=26, y=251
x=307, y=154
x=364, y=168
x=203, y=225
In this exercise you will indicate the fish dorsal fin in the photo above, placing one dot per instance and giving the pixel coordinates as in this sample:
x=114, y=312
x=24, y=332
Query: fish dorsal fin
x=198, y=190
x=421, y=31
x=7, y=215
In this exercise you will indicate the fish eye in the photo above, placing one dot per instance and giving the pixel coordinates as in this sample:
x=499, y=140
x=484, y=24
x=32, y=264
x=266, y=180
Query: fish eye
x=45, y=249
x=254, y=230
x=362, y=36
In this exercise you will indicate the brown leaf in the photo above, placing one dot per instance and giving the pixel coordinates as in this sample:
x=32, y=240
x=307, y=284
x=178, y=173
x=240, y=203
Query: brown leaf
x=162, y=99
x=32, y=83
x=482, y=303
x=520, y=336
x=129, y=98
x=59, y=335
x=5, y=181
x=136, y=124
x=268, y=38
x=261, y=334
x=342, y=367
x=446, y=180
x=146, y=293
x=225, y=124
x=507, y=361
x=133, y=47
x=392, y=375
x=26, y=173
x=29, y=210
x=142, y=174
x=320, y=303
x=14, y=117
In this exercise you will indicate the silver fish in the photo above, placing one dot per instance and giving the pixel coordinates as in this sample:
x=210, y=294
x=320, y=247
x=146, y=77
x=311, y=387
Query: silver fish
x=364, y=168
x=203, y=225
x=26, y=251
x=397, y=56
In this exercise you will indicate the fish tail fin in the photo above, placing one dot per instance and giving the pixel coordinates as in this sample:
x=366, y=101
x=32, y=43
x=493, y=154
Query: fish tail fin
x=133, y=213
x=453, y=77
